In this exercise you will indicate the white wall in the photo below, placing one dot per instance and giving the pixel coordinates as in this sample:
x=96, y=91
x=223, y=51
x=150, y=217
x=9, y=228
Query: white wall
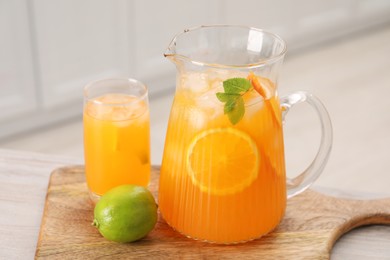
x=51, y=48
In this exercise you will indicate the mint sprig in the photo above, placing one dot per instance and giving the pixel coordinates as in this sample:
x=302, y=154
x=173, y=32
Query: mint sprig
x=234, y=89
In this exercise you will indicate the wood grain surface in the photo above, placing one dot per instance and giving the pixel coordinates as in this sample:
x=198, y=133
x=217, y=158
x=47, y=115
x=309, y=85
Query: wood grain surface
x=312, y=224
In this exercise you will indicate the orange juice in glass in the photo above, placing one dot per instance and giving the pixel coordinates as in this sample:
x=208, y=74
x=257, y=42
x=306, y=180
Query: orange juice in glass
x=223, y=174
x=116, y=135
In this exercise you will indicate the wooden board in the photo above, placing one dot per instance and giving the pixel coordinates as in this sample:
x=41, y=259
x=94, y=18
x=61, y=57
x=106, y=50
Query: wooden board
x=313, y=222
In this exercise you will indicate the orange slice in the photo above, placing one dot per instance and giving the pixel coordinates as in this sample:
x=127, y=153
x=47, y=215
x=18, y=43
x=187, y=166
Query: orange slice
x=267, y=90
x=222, y=161
x=264, y=92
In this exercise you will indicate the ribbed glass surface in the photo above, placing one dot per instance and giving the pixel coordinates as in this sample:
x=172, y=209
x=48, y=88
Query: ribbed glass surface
x=221, y=182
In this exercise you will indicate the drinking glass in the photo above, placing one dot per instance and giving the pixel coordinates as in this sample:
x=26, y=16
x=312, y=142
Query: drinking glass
x=116, y=134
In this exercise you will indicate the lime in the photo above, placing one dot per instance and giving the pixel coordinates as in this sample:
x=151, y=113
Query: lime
x=125, y=213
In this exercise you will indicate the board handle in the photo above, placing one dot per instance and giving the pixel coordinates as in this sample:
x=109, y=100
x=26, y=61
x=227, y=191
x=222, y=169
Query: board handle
x=307, y=177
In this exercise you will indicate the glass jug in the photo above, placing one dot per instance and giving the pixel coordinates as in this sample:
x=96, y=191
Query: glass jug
x=223, y=171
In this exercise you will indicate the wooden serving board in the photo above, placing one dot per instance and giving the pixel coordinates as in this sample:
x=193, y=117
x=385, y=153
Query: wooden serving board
x=312, y=224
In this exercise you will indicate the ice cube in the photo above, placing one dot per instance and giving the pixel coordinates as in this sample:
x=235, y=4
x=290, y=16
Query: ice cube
x=216, y=85
x=120, y=113
x=90, y=109
x=197, y=117
x=218, y=74
x=102, y=112
x=197, y=82
x=114, y=98
x=209, y=103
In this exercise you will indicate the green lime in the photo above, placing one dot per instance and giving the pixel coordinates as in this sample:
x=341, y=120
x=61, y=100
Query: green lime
x=125, y=213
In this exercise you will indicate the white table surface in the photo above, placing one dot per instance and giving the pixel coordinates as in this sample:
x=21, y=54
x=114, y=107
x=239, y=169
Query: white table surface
x=24, y=178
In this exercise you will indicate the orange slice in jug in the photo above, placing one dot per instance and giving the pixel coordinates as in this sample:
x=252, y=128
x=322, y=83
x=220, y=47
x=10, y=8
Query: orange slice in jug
x=266, y=89
x=222, y=161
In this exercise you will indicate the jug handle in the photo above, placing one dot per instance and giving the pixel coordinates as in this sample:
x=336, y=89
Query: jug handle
x=307, y=177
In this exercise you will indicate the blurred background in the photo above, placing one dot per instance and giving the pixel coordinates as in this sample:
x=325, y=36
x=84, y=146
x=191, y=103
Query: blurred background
x=337, y=49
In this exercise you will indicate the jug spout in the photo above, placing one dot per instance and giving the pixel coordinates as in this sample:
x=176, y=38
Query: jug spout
x=171, y=53
x=183, y=49
x=171, y=50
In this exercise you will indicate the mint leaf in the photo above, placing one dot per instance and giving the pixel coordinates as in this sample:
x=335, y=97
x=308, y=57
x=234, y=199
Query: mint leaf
x=224, y=97
x=234, y=89
x=237, y=111
x=236, y=85
x=229, y=106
